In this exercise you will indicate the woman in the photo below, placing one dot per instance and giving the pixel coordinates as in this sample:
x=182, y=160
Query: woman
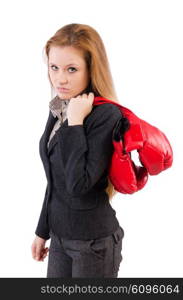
x=76, y=148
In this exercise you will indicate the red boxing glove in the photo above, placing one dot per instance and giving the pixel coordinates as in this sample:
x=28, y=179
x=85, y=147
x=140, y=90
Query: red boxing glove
x=155, y=151
x=126, y=177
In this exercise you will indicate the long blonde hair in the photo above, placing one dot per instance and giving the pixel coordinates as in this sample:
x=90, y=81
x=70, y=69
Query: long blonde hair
x=86, y=38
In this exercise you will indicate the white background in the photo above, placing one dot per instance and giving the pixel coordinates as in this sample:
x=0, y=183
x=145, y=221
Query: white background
x=143, y=40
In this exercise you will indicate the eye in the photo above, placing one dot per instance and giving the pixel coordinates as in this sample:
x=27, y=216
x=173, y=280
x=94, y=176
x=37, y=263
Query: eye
x=72, y=68
x=53, y=66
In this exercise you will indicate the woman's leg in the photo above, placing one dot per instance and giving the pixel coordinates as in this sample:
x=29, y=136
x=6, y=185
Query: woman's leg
x=59, y=263
x=95, y=258
x=117, y=250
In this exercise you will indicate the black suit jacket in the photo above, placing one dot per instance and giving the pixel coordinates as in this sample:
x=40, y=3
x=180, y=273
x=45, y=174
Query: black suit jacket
x=76, y=205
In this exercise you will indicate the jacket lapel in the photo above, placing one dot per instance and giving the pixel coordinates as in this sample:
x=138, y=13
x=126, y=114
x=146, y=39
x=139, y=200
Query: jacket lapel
x=54, y=139
x=44, y=138
x=44, y=150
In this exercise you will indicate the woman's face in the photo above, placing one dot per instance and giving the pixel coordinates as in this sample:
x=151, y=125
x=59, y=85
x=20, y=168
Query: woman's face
x=67, y=69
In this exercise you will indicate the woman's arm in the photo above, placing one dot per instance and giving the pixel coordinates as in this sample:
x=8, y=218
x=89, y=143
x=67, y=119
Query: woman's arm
x=87, y=155
x=42, y=229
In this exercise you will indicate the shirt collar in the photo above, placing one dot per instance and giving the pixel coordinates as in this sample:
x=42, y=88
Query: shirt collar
x=57, y=105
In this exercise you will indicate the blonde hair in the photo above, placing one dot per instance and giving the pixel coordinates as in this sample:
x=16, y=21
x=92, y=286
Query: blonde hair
x=86, y=38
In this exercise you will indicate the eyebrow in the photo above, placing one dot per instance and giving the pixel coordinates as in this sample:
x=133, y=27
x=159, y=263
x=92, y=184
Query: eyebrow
x=66, y=65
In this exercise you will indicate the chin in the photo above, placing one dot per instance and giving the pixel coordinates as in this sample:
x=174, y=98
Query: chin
x=69, y=95
x=64, y=95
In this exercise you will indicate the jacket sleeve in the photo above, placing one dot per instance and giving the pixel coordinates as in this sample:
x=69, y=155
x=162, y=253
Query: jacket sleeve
x=42, y=229
x=87, y=153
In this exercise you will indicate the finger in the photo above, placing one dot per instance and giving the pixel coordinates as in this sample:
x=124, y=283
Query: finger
x=38, y=252
x=34, y=255
x=81, y=97
x=44, y=255
x=91, y=97
x=91, y=94
x=45, y=252
x=33, y=250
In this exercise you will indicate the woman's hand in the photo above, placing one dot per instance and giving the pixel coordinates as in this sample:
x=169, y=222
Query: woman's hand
x=39, y=252
x=79, y=107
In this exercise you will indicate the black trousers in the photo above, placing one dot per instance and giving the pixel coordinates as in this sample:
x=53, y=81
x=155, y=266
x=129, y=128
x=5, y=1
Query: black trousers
x=80, y=258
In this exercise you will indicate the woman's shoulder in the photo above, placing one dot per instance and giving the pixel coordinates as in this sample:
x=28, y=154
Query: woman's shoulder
x=103, y=113
x=106, y=110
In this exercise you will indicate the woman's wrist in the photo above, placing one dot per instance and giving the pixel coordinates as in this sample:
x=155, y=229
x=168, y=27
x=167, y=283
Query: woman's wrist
x=75, y=122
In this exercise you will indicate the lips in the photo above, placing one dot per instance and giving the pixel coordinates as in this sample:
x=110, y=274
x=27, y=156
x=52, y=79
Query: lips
x=62, y=89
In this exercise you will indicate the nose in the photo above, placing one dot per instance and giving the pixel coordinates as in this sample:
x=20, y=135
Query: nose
x=61, y=78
